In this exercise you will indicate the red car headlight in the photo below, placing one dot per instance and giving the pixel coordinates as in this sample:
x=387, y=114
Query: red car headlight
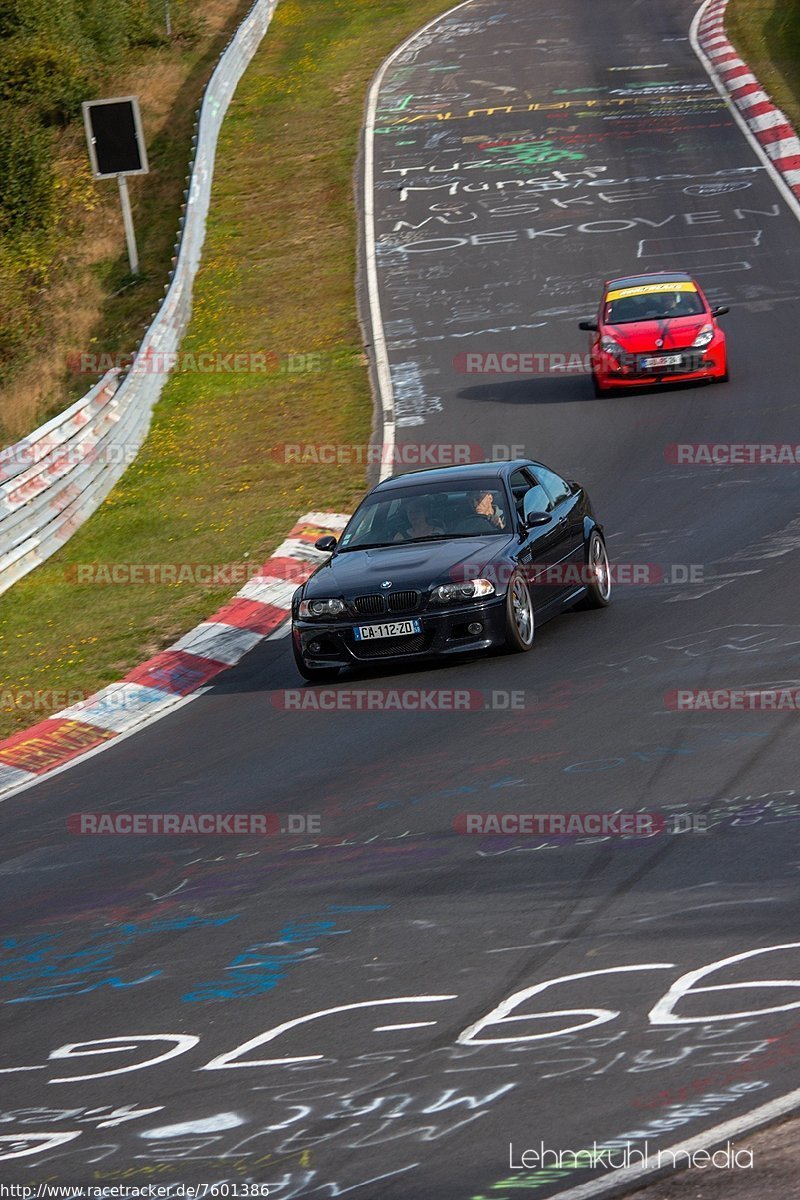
x=705, y=336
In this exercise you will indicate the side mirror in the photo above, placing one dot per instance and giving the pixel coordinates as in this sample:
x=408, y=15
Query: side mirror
x=588, y=326
x=720, y=312
x=327, y=544
x=533, y=519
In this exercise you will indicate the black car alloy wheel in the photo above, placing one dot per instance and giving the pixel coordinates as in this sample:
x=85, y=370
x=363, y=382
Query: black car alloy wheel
x=598, y=587
x=519, y=616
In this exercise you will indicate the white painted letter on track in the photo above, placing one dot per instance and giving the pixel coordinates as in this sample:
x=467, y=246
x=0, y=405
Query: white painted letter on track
x=663, y=1013
x=500, y=1014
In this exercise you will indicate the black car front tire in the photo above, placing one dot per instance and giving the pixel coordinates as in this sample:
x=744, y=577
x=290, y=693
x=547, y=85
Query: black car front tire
x=520, y=621
x=598, y=590
x=313, y=674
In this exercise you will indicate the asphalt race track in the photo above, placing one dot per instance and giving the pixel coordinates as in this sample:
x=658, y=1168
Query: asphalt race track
x=379, y=1008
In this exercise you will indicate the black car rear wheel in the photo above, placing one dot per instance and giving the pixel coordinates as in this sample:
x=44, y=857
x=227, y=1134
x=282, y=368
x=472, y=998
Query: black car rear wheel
x=520, y=623
x=598, y=588
x=313, y=674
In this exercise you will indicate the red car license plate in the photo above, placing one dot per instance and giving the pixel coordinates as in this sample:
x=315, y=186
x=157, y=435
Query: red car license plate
x=663, y=360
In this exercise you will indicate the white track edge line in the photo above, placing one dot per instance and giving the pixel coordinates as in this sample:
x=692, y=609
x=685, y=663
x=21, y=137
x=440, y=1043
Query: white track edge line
x=281, y=630
x=635, y=1176
x=383, y=372
x=46, y=776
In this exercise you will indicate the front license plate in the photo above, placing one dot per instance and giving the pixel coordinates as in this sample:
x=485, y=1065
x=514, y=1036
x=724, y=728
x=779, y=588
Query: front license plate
x=664, y=360
x=365, y=633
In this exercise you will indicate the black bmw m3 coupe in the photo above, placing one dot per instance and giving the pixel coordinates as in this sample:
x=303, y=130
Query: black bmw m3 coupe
x=450, y=561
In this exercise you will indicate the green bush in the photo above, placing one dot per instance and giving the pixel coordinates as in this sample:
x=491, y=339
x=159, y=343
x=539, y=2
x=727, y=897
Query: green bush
x=48, y=78
x=26, y=171
x=24, y=272
x=55, y=20
x=106, y=27
x=9, y=18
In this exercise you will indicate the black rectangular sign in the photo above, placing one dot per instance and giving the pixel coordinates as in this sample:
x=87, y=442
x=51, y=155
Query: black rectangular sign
x=114, y=134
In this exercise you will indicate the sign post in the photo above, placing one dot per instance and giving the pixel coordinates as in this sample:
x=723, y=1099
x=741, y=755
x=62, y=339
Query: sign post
x=116, y=150
x=127, y=221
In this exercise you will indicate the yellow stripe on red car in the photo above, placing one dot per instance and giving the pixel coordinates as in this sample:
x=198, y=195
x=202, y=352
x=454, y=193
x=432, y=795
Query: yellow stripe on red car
x=646, y=289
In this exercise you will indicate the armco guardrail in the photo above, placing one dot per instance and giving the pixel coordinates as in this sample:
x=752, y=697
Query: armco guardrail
x=51, y=481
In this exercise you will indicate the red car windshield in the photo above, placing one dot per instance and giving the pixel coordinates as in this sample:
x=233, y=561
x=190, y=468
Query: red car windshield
x=653, y=306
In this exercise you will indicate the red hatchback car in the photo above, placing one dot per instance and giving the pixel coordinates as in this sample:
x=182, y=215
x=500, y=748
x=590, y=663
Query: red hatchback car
x=655, y=329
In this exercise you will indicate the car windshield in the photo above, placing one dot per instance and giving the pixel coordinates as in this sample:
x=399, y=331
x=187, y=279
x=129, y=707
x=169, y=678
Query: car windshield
x=660, y=305
x=470, y=508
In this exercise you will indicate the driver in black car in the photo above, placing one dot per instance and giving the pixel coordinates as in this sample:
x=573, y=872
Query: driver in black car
x=419, y=523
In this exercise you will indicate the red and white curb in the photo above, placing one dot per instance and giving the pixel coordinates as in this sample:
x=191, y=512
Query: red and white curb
x=767, y=128
x=167, y=680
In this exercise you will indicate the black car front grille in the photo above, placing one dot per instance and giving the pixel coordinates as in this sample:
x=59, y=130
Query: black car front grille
x=369, y=606
x=403, y=602
x=385, y=647
x=394, y=602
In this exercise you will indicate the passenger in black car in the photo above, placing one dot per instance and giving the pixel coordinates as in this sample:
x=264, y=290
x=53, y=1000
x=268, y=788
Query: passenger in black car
x=484, y=505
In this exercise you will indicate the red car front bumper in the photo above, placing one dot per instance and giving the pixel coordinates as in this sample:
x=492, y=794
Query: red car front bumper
x=710, y=362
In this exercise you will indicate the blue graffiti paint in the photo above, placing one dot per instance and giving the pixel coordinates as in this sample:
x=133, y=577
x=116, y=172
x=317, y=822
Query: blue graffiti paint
x=256, y=972
x=265, y=971
x=653, y=752
x=58, y=973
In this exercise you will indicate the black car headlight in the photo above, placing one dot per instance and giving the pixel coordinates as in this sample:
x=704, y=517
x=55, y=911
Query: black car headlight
x=309, y=609
x=471, y=589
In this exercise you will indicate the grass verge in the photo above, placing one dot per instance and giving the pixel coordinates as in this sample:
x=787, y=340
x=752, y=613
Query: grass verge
x=278, y=278
x=767, y=35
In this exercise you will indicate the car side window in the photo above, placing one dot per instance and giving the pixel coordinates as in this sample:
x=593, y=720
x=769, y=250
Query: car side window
x=519, y=484
x=557, y=487
x=529, y=495
x=361, y=526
